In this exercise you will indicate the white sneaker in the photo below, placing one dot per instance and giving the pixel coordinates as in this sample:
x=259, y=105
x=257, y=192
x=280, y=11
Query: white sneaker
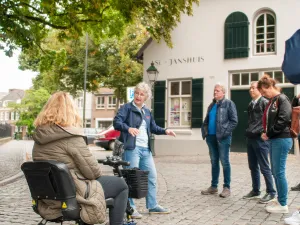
x=294, y=219
x=136, y=215
x=277, y=208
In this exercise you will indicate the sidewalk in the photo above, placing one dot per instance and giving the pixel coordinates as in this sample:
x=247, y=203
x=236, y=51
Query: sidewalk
x=12, y=155
x=180, y=180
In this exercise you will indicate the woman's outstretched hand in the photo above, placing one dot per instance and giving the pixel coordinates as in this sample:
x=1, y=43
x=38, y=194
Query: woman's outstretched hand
x=170, y=132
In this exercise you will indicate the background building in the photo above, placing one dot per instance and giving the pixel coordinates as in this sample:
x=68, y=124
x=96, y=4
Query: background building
x=231, y=42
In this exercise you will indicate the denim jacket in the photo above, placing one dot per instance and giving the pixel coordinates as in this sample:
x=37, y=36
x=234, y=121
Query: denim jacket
x=129, y=116
x=227, y=119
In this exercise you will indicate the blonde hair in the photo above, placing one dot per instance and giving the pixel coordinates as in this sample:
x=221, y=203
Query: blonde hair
x=60, y=109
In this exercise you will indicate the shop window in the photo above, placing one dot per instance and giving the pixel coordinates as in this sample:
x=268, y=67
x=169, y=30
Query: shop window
x=265, y=33
x=100, y=102
x=180, y=104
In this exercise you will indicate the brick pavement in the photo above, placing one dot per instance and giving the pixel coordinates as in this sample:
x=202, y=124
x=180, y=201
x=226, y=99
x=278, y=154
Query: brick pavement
x=180, y=180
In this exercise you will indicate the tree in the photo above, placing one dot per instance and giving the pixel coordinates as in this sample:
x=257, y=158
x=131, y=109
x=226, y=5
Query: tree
x=26, y=23
x=124, y=70
x=111, y=63
x=30, y=107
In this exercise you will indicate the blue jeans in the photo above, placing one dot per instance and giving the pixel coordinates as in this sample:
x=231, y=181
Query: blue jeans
x=142, y=158
x=279, y=150
x=219, y=151
x=258, y=159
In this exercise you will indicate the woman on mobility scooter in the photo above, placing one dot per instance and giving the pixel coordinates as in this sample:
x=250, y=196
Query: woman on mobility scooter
x=58, y=137
x=136, y=123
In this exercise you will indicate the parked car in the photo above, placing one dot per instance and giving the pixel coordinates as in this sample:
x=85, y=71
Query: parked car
x=91, y=134
x=106, y=139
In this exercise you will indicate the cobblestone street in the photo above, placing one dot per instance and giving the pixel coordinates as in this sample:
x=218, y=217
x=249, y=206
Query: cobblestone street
x=180, y=180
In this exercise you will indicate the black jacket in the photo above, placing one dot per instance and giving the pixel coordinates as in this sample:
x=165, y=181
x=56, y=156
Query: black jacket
x=279, y=117
x=227, y=119
x=255, y=115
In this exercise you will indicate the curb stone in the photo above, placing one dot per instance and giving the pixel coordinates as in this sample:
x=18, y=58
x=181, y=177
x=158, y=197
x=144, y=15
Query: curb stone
x=11, y=179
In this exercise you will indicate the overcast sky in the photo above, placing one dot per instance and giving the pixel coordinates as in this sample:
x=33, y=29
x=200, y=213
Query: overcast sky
x=11, y=76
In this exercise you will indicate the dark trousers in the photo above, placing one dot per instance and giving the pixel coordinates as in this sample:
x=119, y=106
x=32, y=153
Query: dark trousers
x=116, y=188
x=258, y=151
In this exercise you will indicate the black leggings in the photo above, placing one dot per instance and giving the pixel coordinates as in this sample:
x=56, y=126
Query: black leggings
x=116, y=188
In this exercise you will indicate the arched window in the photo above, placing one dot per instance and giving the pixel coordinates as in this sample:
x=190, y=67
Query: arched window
x=265, y=33
x=236, y=36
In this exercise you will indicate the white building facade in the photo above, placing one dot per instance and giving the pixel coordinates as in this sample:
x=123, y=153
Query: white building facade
x=230, y=42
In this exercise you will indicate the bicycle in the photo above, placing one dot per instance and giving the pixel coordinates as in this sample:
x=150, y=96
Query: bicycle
x=116, y=162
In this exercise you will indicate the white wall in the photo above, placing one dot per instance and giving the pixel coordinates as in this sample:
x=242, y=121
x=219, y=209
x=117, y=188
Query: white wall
x=203, y=36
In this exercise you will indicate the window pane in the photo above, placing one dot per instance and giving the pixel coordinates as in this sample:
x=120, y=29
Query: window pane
x=260, y=46
x=260, y=36
x=271, y=29
x=285, y=79
x=245, y=78
x=260, y=20
x=186, y=88
x=174, y=88
x=270, y=73
x=254, y=76
x=174, y=119
x=271, y=35
x=186, y=118
x=270, y=19
x=278, y=76
x=260, y=30
x=235, y=79
x=271, y=46
x=186, y=104
x=175, y=104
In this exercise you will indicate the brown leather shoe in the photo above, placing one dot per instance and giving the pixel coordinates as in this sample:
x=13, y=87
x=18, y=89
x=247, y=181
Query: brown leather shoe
x=225, y=193
x=210, y=191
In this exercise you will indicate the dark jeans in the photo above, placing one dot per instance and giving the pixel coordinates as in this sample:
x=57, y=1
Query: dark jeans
x=219, y=151
x=116, y=188
x=258, y=153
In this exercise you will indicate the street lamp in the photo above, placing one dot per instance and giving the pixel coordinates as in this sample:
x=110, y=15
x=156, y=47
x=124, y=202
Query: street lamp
x=152, y=73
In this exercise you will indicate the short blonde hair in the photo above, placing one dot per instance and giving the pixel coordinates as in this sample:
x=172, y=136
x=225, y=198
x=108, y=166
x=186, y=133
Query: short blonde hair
x=144, y=87
x=60, y=109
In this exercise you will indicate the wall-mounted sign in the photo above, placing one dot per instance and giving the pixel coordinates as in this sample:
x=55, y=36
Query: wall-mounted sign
x=176, y=61
x=130, y=94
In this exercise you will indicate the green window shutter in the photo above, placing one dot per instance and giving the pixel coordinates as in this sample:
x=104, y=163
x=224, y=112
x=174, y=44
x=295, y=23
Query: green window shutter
x=197, y=103
x=159, y=103
x=236, y=36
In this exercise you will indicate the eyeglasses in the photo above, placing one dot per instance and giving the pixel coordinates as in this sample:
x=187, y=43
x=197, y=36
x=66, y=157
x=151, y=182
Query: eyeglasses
x=139, y=94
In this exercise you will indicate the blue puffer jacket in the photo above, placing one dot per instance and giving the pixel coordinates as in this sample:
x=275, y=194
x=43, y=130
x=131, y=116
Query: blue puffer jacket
x=227, y=119
x=129, y=116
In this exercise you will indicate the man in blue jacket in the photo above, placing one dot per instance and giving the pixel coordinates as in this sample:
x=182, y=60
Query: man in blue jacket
x=220, y=121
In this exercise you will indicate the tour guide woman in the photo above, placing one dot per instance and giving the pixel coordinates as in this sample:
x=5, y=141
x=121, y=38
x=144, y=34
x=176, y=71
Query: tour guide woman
x=58, y=137
x=136, y=123
x=276, y=123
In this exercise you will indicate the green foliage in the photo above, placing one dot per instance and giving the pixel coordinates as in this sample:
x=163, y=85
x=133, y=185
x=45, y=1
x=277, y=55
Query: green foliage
x=30, y=107
x=26, y=23
x=112, y=62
